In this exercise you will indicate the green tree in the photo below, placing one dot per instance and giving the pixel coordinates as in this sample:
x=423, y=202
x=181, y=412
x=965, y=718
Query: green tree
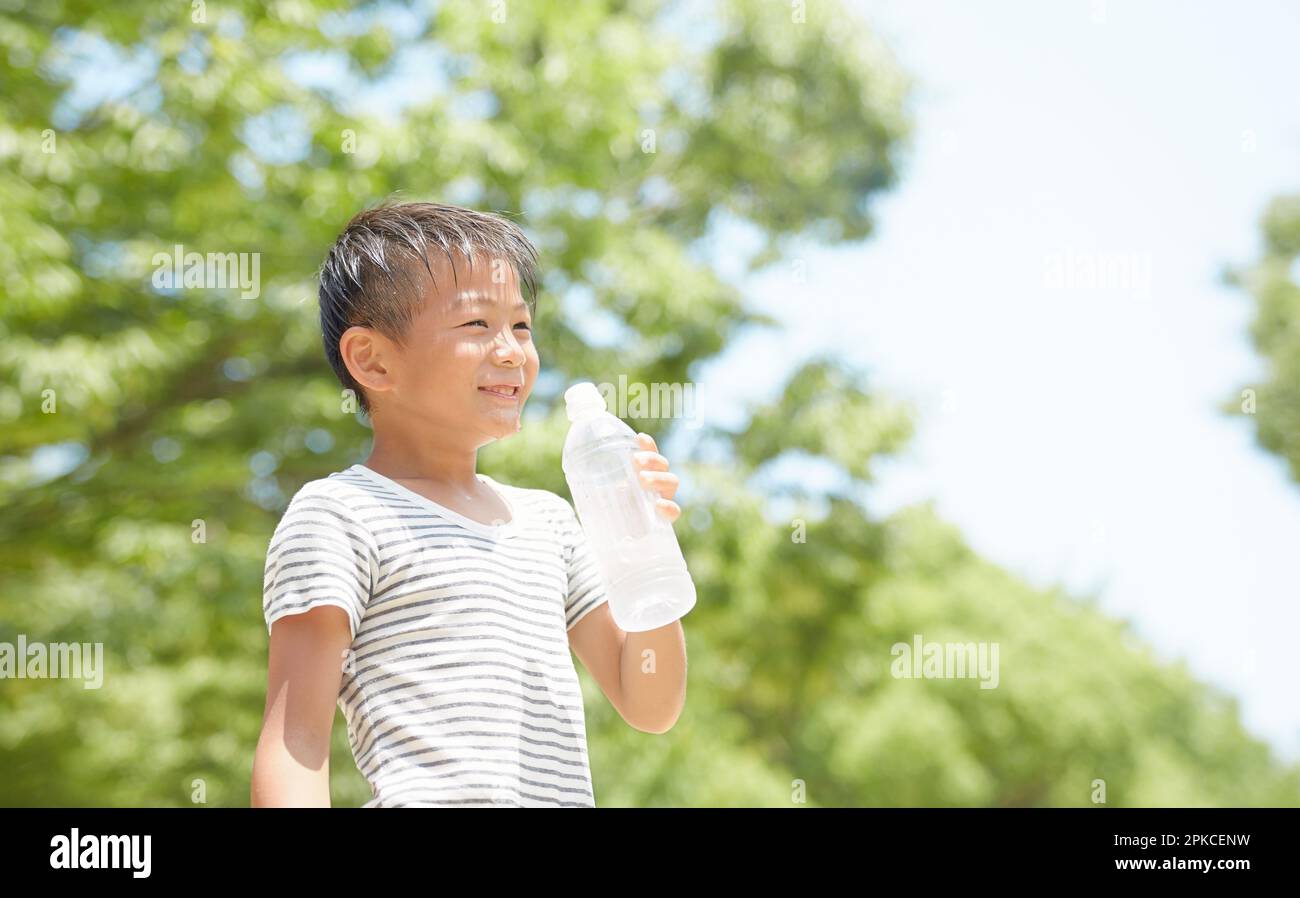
x=1273, y=405
x=152, y=434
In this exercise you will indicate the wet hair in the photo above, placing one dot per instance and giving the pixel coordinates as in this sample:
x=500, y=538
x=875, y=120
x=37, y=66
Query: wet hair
x=370, y=278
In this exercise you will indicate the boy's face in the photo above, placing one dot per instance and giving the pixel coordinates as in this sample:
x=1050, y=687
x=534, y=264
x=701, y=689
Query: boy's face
x=471, y=332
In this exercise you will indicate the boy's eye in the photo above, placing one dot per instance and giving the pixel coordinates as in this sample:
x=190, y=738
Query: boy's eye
x=481, y=321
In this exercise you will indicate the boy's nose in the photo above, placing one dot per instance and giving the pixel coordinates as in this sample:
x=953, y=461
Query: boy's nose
x=512, y=349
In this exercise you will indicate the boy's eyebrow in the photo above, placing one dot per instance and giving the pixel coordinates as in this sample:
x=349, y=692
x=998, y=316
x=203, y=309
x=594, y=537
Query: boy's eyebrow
x=472, y=297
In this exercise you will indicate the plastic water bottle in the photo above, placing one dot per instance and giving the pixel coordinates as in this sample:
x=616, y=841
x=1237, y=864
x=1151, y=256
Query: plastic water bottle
x=633, y=544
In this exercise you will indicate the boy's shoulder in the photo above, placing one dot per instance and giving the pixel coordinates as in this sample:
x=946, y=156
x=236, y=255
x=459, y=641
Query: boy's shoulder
x=554, y=505
x=345, y=487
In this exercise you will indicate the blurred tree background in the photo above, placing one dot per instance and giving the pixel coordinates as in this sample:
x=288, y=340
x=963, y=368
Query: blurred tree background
x=618, y=134
x=1273, y=284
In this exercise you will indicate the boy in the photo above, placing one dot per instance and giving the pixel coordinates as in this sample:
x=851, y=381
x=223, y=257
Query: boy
x=435, y=605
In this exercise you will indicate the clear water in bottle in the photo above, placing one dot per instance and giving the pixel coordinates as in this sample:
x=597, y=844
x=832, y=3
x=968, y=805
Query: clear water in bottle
x=633, y=544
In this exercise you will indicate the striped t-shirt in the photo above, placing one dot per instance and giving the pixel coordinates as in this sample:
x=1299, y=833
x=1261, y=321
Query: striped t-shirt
x=459, y=688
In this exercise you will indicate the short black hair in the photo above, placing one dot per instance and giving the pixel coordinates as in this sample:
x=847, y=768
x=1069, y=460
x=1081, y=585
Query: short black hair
x=367, y=278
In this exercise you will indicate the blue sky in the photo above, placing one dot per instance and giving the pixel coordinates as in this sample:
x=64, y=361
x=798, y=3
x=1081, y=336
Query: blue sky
x=1071, y=429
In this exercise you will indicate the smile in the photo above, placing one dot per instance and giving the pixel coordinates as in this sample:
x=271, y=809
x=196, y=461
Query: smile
x=502, y=392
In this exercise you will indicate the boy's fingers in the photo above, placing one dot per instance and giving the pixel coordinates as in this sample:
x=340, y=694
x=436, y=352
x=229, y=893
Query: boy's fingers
x=669, y=509
x=651, y=461
x=664, y=483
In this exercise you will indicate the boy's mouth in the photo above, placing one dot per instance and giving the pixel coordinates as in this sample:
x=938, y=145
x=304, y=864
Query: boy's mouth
x=505, y=391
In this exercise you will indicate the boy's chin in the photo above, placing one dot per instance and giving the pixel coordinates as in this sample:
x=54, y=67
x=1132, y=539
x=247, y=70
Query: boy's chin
x=504, y=423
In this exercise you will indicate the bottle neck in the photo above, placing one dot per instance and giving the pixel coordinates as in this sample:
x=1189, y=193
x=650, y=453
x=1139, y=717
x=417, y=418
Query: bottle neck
x=583, y=412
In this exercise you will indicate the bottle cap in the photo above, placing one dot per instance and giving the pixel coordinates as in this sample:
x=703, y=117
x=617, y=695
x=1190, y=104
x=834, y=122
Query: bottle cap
x=583, y=398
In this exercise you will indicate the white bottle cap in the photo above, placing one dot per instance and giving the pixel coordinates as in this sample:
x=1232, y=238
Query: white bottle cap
x=582, y=398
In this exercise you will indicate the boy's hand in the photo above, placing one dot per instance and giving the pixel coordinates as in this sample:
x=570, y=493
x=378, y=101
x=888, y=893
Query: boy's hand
x=653, y=471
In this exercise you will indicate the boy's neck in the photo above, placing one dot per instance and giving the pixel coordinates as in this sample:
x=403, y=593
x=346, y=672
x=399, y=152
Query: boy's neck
x=403, y=457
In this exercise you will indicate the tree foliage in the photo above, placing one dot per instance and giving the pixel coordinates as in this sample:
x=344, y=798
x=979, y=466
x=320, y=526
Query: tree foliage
x=1273, y=284
x=151, y=434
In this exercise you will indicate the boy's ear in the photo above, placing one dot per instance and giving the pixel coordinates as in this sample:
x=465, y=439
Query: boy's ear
x=367, y=357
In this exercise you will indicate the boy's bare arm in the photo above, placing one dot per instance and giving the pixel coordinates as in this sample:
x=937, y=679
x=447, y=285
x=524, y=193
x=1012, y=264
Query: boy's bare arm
x=305, y=670
x=653, y=676
x=642, y=674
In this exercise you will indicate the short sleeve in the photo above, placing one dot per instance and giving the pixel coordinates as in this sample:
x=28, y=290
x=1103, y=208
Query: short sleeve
x=319, y=555
x=586, y=585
